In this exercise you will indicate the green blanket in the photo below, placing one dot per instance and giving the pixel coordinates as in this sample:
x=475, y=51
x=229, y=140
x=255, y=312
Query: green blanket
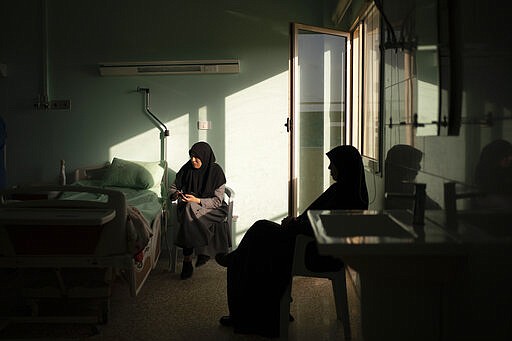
x=146, y=201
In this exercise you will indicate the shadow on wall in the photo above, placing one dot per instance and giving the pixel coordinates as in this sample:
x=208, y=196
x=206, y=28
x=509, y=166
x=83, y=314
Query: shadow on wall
x=402, y=164
x=493, y=176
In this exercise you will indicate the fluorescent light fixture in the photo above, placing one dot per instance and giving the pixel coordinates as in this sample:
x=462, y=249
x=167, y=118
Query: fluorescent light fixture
x=170, y=67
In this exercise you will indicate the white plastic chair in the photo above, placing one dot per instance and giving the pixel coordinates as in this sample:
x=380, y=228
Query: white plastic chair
x=339, y=288
x=229, y=197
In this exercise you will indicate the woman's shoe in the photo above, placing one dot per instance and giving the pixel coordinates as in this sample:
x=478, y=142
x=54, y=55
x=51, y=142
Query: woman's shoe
x=224, y=259
x=202, y=260
x=186, y=270
x=226, y=321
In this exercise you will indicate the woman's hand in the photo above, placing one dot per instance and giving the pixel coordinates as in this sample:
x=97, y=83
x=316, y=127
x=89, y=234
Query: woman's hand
x=190, y=198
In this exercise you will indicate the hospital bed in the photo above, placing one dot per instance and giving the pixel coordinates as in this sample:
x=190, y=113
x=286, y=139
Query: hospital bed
x=70, y=243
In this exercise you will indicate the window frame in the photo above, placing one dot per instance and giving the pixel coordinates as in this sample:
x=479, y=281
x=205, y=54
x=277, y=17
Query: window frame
x=358, y=90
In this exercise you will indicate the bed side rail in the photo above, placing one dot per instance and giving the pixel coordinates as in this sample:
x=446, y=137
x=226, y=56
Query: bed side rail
x=113, y=234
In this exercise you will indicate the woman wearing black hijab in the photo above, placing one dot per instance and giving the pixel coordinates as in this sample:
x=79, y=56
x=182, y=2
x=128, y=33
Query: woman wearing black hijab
x=260, y=268
x=199, y=188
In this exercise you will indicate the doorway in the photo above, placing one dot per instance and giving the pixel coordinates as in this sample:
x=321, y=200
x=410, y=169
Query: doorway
x=318, y=109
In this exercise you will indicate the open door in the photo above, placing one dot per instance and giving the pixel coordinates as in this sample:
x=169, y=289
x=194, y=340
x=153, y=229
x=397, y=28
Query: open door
x=318, y=107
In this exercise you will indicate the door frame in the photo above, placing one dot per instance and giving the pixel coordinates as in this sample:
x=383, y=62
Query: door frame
x=291, y=122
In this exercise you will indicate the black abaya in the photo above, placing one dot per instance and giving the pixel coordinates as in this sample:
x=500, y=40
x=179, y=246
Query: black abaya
x=260, y=268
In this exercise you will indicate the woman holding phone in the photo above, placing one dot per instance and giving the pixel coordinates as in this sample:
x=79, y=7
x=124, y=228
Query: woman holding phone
x=199, y=189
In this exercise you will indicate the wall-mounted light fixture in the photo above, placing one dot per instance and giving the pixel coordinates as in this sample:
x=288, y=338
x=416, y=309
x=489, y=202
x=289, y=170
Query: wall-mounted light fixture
x=169, y=67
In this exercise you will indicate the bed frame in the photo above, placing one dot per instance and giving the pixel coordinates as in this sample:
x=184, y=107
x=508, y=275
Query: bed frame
x=71, y=249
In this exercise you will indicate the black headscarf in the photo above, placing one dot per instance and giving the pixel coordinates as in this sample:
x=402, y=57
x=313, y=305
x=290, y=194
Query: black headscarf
x=204, y=181
x=402, y=164
x=349, y=192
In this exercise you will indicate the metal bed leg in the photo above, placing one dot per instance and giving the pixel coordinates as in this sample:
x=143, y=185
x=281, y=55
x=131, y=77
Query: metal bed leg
x=171, y=251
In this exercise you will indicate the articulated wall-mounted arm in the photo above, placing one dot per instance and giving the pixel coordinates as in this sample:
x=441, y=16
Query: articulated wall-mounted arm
x=160, y=125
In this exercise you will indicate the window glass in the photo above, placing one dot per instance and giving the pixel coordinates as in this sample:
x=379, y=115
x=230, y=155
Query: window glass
x=365, y=82
x=356, y=88
x=371, y=81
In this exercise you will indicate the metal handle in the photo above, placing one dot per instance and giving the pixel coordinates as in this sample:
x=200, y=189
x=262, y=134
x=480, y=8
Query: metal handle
x=288, y=124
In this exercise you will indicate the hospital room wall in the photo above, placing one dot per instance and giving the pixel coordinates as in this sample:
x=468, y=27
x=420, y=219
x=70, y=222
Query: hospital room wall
x=247, y=110
x=106, y=111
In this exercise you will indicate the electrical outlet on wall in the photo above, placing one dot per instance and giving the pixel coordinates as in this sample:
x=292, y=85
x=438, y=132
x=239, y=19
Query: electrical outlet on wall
x=60, y=104
x=204, y=125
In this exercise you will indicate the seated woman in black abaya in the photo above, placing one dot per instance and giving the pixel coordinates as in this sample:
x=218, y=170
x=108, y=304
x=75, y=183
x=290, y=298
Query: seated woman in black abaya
x=259, y=270
x=199, y=188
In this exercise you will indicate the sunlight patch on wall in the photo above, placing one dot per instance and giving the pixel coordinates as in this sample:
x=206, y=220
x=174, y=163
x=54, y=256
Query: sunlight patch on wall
x=428, y=106
x=257, y=151
x=147, y=146
x=177, y=144
x=142, y=147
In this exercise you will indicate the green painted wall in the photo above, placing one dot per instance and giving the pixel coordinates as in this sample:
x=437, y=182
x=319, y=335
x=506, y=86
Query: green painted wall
x=107, y=111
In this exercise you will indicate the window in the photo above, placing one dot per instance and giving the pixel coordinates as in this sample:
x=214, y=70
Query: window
x=365, y=96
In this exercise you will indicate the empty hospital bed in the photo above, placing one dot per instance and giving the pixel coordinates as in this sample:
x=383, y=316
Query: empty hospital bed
x=70, y=243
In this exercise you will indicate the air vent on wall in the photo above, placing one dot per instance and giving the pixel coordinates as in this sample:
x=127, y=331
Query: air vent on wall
x=170, y=67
